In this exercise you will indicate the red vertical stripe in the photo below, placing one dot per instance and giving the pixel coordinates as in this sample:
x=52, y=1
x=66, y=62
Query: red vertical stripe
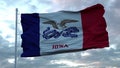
x=94, y=27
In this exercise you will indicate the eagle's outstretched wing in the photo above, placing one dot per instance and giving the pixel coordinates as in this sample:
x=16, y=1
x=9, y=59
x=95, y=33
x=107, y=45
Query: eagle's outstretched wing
x=62, y=24
x=51, y=22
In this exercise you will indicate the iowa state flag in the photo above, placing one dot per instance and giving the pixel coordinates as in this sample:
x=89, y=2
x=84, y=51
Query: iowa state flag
x=63, y=31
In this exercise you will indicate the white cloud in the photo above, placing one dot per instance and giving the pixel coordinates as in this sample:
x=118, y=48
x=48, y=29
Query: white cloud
x=68, y=63
x=84, y=54
x=11, y=60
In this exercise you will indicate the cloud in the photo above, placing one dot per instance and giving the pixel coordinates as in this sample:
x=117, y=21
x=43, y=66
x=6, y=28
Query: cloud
x=6, y=52
x=76, y=5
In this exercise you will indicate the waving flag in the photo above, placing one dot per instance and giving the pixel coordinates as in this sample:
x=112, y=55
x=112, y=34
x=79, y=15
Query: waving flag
x=63, y=31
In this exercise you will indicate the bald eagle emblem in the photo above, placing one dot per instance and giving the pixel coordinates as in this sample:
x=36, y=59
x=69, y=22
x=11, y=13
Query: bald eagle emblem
x=49, y=33
x=62, y=23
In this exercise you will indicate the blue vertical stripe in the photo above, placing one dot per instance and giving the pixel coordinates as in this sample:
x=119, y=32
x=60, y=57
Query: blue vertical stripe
x=30, y=37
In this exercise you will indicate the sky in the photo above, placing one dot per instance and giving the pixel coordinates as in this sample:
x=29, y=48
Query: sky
x=95, y=58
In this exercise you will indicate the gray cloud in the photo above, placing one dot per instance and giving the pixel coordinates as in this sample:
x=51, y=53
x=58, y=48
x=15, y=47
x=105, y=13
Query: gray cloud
x=6, y=53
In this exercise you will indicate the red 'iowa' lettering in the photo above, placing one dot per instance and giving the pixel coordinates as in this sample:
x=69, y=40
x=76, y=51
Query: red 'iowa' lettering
x=59, y=46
